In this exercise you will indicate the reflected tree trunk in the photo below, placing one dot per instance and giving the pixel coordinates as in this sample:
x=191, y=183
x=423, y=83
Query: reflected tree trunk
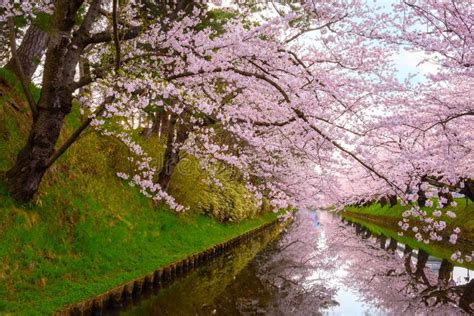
x=445, y=271
x=467, y=298
x=392, y=246
x=421, y=198
x=408, y=252
x=358, y=228
x=420, y=266
x=382, y=241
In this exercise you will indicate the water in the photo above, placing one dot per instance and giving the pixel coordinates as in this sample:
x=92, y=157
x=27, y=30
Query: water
x=320, y=266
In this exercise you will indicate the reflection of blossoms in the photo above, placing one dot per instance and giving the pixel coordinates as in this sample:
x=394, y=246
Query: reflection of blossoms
x=413, y=290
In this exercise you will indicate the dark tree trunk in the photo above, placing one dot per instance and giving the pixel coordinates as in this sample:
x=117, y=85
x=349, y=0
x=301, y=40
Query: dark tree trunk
x=422, y=259
x=392, y=246
x=382, y=241
x=171, y=158
x=467, y=298
x=30, y=52
x=358, y=229
x=444, y=274
x=468, y=189
x=408, y=252
x=383, y=201
x=421, y=198
x=24, y=178
x=159, y=126
x=164, y=123
x=393, y=200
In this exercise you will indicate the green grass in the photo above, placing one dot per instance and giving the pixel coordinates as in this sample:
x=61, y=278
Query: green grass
x=50, y=260
x=87, y=231
x=464, y=213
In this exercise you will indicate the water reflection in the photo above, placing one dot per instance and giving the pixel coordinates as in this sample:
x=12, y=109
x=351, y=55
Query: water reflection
x=320, y=266
x=421, y=268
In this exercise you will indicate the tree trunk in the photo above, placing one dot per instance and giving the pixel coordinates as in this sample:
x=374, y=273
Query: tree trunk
x=421, y=198
x=24, y=178
x=159, y=125
x=422, y=259
x=445, y=271
x=467, y=297
x=468, y=189
x=383, y=201
x=164, y=124
x=393, y=200
x=382, y=241
x=171, y=158
x=30, y=52
x=408, y=252
x=448, y=196
x=392, y=246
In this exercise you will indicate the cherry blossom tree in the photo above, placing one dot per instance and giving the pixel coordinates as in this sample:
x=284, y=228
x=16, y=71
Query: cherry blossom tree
x=304, y=102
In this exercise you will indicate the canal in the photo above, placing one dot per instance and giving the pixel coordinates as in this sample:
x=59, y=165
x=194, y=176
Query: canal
x=322, y=265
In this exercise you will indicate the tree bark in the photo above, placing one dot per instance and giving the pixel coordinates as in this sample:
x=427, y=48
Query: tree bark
x=30, y=52
x=163, y=124
x=171, y=158
x=421, y=198
x=62, y=56
x=392, y=246
x=24, y=178
x=467, y=297
x=445, y=271
x=393, y=200
x=468, y=189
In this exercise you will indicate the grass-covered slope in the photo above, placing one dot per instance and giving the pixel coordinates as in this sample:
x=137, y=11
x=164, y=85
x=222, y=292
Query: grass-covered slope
x=390, y=216
x=86, y=230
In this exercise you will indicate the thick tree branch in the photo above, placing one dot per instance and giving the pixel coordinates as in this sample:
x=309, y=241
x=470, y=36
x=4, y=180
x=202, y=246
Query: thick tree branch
x=105, y=37
x=75, y=135
x=116, y=35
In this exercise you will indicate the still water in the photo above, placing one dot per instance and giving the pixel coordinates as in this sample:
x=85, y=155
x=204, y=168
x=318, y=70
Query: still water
x=321, y=265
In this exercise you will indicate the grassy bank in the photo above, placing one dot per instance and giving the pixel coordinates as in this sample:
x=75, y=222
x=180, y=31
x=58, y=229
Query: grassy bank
x=440, y=250
x=390, y=216
x=87, y=231
x=49, y=262
x=384, y=220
